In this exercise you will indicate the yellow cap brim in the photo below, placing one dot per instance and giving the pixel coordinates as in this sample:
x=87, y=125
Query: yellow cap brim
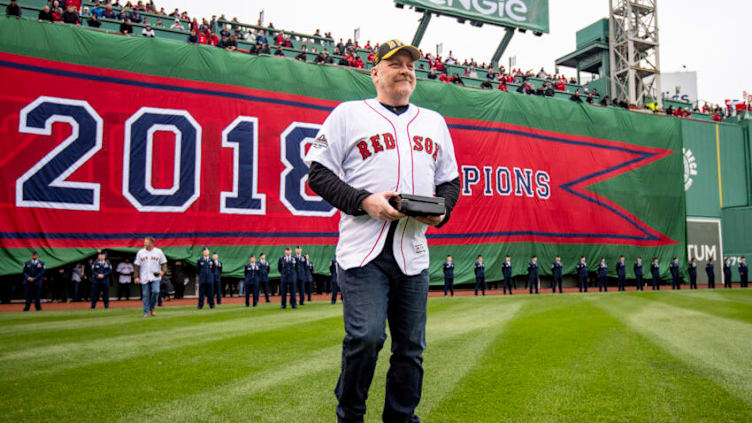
x=414, y=52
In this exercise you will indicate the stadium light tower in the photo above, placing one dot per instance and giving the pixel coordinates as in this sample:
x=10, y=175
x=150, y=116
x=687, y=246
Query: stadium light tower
x=634, y=50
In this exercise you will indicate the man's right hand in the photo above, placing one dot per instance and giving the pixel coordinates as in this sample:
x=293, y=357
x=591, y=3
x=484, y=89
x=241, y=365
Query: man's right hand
x=377, y=206
x=137, y=280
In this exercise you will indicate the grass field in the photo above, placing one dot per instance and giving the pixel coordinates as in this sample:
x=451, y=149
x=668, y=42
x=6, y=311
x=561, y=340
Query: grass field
x=629, y=357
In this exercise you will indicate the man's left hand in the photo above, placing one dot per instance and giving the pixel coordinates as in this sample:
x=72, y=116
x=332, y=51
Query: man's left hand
x=430, y=220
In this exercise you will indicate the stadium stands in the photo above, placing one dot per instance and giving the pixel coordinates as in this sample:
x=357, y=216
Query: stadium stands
x=247, y=35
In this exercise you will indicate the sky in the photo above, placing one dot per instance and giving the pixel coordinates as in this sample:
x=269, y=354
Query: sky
x=709, y=37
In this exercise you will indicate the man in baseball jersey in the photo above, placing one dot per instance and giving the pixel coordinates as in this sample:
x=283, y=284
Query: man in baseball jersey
x=151, y=265
x=125, y=271
x=367, y=152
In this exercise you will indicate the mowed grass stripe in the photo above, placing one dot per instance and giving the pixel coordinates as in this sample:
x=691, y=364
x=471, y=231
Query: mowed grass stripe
x=105, y=391
x=57, y=356
x=131, y=324
x=715, y=347
x=741, y=296
x=714, y=305
x=80, y=322
x=577, y=363
x=275, y=394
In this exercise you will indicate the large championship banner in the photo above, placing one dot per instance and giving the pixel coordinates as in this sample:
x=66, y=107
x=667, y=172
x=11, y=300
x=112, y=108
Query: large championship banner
x=109, y=139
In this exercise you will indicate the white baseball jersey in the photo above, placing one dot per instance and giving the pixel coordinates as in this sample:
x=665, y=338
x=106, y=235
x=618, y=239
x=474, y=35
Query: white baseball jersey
x=371, y=148
x=149, y=263
x=125, y=270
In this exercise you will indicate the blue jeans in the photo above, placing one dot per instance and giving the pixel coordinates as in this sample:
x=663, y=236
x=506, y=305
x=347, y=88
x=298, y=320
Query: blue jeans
x=372, y=294
x=149, y=294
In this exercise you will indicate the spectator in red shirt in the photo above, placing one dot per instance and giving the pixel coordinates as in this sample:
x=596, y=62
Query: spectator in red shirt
x=560, y=85
x=203, y=38
x=280, y=39
x=503, y=85
x=439, y=65
x=368, y=45
x=358, y=62
x=370, y=57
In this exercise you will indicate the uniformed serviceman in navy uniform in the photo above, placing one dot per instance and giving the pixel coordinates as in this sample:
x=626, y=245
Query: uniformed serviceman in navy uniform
x=217, y=277
x=300, y=273
x=743, y=271
x=637, y=268
x=309, y=277
x=263, y=275
x=582, y=274
x=532, y=274
x=603, y=275
x=288, y=278
x=556, y=267
x=250, y=282
x=32, y=281
x=710, y=271
x=205, y=274
x=674, y=269
x=692, y=270
x=100, y=276
x=506, y=270
x=335, y=286
x=726, y=273
x=655, y=271
x=449, y=276
x=621, y=273
x=480, y=275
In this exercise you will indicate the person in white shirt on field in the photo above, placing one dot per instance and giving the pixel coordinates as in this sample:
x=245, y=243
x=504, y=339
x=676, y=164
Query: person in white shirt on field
x=151, y=265
x=125, y=271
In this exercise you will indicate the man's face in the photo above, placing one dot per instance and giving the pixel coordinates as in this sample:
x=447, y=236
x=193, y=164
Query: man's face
x=480, y=259
x=288, y=252
x=100, y=257
x=253, y=259
x=297, y=251
x=215, y=256
x=395, y=76
x=535, y=259
x=639, y=260
x=148, y=244
x=206, y=253
x=449, y=259
x=262, y=257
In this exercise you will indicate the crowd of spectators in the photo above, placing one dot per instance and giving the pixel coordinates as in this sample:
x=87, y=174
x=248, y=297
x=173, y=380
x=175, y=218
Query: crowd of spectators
x=265, y=39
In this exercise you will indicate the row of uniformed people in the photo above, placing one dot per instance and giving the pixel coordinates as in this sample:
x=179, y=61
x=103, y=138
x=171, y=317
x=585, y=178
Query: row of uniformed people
x=509, y=282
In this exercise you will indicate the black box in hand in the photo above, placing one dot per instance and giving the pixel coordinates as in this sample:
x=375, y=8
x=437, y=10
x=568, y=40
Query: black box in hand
x=418, y=205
